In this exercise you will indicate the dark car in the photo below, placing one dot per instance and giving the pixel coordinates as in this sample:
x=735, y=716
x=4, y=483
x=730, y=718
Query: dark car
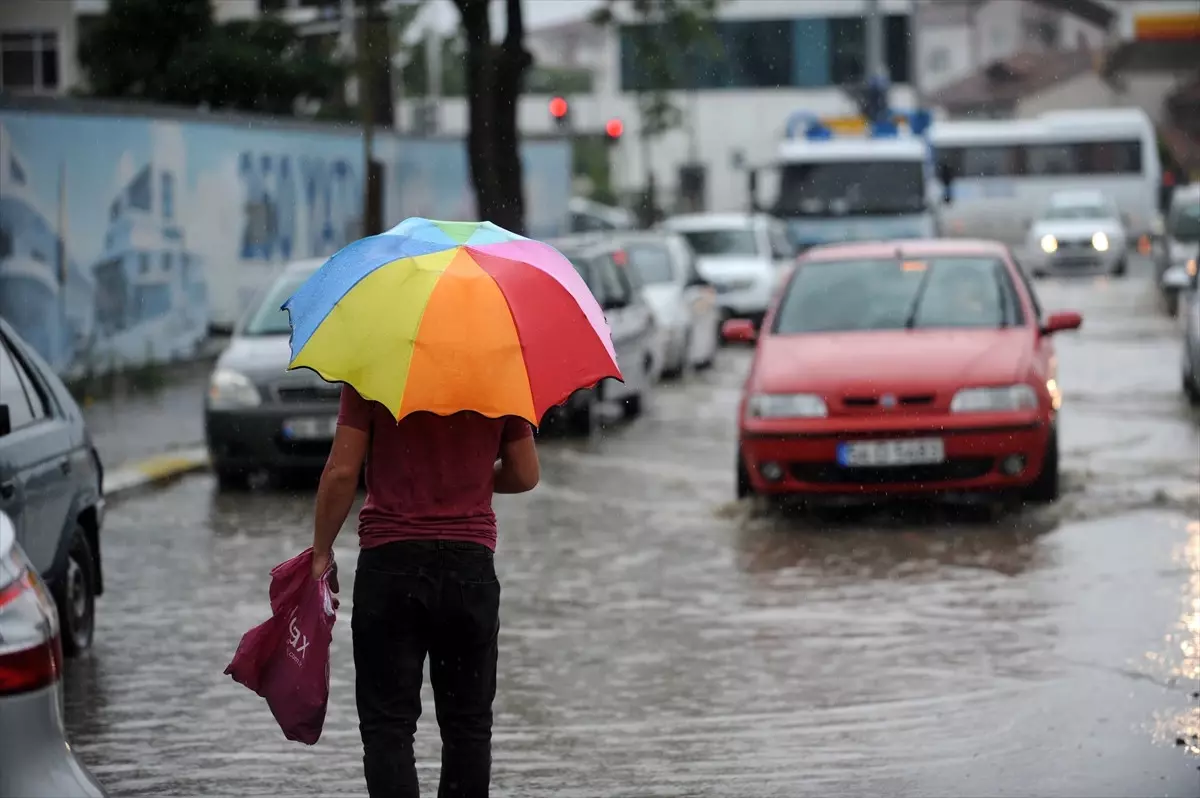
x=258, y=416
x=51, y=485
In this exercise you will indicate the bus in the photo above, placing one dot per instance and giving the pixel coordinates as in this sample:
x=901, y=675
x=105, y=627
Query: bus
x=997, y=175
x=842, y=181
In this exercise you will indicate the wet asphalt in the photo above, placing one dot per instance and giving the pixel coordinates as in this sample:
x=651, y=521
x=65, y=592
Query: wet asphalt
x=660, y=639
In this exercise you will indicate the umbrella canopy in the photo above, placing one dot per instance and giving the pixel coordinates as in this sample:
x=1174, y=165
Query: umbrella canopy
x=451, y=316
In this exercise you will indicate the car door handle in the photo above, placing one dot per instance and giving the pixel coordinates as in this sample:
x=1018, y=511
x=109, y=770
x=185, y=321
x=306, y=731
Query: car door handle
x=7, y=489
x=66, y=466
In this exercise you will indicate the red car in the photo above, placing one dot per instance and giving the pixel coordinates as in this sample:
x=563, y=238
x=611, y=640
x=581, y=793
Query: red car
x=907, y=367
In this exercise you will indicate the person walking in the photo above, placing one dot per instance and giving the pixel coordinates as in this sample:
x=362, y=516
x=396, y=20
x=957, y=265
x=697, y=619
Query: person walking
x=426, y=579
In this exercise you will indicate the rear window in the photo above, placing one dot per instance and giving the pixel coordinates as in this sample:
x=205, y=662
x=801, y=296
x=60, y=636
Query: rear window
x=707, y=243
x=890, y=294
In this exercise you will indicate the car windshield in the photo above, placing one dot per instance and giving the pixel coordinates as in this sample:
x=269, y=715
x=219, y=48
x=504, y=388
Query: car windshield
x=1184, y=224
x=1077, y=211
x=723, y=242
x=873, y=188
x=269, y=318
x=652, y=262
x=889, y=294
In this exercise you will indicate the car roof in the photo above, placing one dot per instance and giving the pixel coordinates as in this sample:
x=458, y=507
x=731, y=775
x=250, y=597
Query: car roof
x=1186, y=193
x=624, y=237
x=307, y=266
x=711, y=221
x=919, y=248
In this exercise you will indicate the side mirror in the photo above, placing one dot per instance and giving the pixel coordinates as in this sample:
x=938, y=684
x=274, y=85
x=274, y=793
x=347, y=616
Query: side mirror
x=1063, y=320
x=5, y=421
x=739, y=331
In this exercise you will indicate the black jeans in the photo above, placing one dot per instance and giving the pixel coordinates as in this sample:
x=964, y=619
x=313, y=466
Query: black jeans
x=414, y=598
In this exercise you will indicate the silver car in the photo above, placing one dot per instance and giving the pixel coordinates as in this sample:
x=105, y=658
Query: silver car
x=1180, y=241
x=258, y=416
x=1183, y=281
x=35, y=760
x=1078, y=231
x=620, y=293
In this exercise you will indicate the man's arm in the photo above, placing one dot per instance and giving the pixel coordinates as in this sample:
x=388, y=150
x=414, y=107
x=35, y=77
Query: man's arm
x=339, y=480
x=518, y=470
x=339, y=484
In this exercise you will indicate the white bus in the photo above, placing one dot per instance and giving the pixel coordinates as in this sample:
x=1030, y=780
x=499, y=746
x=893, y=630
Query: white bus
x=1002, y=173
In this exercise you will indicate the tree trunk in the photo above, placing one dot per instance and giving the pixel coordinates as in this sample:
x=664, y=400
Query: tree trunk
x=479, y=86
x=511, y=63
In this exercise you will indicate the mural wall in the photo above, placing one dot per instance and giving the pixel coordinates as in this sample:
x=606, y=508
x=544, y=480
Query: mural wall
x=123, y=239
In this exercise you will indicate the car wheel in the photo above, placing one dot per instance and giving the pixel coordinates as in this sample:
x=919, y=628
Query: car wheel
x=231, y=478
x=631, y=407
x=1190, y=389
x=76, y=597
x=1045, y=488
x=579, y=419
x=745, y=488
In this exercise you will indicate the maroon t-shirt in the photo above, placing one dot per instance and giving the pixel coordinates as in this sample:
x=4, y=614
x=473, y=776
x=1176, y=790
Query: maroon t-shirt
x=429, y=477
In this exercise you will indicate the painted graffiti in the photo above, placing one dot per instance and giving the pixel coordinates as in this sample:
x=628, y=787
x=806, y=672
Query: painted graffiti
x=305, y=206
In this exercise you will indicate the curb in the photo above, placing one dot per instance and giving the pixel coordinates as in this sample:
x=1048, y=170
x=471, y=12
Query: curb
x=156, y=470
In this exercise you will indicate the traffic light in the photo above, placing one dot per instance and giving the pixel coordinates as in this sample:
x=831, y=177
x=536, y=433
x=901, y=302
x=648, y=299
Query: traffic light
x=560, y=111
x=613, y=128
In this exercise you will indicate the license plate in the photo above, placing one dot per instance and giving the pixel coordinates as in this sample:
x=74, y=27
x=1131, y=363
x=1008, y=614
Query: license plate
x=309, y=429
x=918, y=451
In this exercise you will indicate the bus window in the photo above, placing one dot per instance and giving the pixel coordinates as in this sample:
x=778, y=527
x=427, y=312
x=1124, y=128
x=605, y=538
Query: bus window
x=1053, y=159
x=990, y=161
x=1114, y=157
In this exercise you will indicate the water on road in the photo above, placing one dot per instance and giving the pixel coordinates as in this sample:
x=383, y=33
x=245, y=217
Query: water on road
x=660, y=639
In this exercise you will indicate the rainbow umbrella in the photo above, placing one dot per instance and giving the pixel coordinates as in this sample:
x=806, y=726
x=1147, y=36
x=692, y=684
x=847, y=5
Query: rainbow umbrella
x=451, y=316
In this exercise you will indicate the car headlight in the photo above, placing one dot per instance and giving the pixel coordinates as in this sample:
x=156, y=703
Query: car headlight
x=230, y=389
x=1049, y=244
x=786, y=405
x=991, y=400
x=1100, y=242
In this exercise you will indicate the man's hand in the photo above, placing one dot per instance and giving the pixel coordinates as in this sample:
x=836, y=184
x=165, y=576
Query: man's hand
x=320, y=564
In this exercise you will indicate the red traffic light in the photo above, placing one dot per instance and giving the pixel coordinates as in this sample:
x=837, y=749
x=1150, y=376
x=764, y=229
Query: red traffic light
x=558, y=108
x=614, y=128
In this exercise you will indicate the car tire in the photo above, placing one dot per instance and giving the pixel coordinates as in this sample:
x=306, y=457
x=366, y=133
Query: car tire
x=1046, y=488
x=632, y=407
x=231, y=479
x=76, y=597
x=578, y=420
x=1190, y=389
x=745, y=488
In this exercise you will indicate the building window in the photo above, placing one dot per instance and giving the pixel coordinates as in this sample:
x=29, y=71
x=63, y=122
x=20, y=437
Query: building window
x=29, y=61
x=168, y=195
x=760, y=54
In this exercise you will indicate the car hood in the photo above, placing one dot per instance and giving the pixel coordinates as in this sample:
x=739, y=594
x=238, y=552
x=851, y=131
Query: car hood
x=262, y=358
x=1077, y=229
x=909, y=360
x=721, y=268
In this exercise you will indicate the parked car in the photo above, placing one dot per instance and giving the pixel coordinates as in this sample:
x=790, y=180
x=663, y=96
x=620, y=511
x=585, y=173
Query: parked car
x=589, y=216
x=51, y=486
x=258, y=416
x=743, y=255
x=1078, y=230
x=911, y=367
x=1183, y=282
x=683, y=303
x=1181, y=239
x=633, y=334
x=35, y=760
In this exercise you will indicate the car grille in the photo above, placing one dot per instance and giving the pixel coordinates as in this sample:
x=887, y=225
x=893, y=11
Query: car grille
x=310, y=394
x=315, y=449
x=909, y=400
x=949, y=471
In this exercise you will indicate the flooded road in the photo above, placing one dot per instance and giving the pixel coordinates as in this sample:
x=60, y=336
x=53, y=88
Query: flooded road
x=660, y=639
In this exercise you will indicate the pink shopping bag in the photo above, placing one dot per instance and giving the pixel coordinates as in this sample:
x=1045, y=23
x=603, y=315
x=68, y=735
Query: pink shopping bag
x=286, y=659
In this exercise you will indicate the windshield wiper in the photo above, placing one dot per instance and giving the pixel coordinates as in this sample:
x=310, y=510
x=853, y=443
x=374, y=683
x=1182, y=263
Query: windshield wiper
x=910, y=321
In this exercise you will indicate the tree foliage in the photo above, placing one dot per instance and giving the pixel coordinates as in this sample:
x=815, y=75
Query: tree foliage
x=172, y=51
x=668, y=32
